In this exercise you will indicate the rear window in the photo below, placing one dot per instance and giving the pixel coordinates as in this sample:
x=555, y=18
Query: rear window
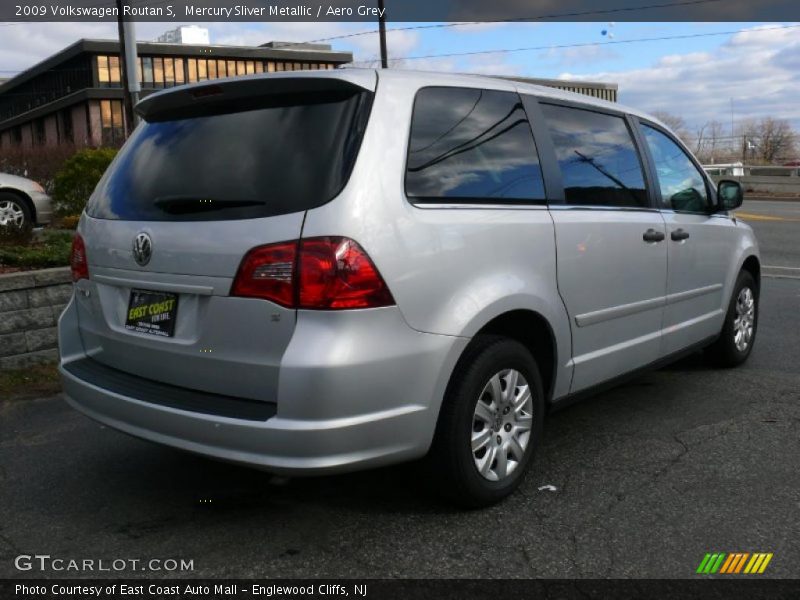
x=471, y=146
x=276, y=155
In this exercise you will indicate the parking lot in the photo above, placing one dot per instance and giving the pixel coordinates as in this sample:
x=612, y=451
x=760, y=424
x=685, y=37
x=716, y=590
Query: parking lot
x=640, y=481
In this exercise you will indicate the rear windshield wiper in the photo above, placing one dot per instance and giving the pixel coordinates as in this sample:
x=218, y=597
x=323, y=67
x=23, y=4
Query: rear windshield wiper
x=183, y=205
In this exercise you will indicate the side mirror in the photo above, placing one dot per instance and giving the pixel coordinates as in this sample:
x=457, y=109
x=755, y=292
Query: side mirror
x=729, y=195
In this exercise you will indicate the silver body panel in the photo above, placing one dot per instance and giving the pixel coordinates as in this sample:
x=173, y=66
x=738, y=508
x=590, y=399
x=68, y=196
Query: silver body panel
x=364, y=387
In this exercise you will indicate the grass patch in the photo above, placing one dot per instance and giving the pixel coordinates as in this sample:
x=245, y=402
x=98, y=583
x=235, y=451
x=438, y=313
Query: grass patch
x=32, y=382
x=50, y=249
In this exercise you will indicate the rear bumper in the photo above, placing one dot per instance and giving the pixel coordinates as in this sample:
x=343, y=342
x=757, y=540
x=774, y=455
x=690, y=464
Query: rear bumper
x=357, y=389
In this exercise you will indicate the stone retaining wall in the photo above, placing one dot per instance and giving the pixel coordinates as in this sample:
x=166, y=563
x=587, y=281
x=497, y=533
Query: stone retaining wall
x=30, y=304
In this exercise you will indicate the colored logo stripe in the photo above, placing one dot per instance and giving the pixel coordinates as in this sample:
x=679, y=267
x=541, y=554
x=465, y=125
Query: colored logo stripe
x=711, y=563
x=735, y=562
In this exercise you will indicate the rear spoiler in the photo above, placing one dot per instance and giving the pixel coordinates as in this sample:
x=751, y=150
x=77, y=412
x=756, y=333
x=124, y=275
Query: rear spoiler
x=197, y=98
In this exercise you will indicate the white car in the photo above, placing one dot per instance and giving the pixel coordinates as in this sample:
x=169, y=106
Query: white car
x=23, y=203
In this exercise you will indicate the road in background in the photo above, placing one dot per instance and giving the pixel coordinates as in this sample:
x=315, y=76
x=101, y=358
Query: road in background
x=777, y=226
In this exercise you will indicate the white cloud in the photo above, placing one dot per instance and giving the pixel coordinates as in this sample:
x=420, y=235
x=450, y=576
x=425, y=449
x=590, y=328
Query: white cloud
x=759, y=69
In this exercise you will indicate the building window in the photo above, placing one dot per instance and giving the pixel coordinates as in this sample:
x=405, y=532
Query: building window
x=67, y=135
x=39, y=133
x=240, y=67
x=180, y=76
x=270, y=67
x=296, y=67
x=251, y=67
x=231, y=68
x=212, y=69
x=259, y=66
x=147, y=71
x=103, y=77
x=111, y=122
x=222, y=70
x=202, y=70
x=16, y=136
x=279, y=66
x=113, y=70
x=158, y=72
x=169, y=72
x=108, y=71
x=192, y=70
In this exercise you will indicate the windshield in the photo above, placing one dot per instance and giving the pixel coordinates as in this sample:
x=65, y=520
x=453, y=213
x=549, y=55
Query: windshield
x=291, y=153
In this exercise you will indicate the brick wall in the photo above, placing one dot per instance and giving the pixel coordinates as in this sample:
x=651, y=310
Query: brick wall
x=30, y=304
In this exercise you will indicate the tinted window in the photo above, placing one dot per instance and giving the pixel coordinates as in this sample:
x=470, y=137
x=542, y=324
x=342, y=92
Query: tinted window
x=471, y=145
x=598, y=160
x=289, y=154
x=682, y=186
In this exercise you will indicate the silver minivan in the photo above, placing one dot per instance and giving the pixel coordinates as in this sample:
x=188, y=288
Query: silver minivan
x=328, y=271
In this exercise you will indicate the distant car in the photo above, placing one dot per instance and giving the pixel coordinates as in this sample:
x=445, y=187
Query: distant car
x=23, y=203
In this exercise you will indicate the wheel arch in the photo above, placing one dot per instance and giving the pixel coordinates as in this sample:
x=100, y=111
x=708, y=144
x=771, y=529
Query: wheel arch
x=752, y=265
x=533, y=331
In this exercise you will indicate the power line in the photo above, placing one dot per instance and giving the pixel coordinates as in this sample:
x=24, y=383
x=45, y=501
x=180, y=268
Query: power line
x=585, y=44
x=514, y=20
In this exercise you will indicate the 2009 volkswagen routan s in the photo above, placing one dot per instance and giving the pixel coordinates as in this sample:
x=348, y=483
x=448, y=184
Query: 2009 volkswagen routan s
x=328, y=271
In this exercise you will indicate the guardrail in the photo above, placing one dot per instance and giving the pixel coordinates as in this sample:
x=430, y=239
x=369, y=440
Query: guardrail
x=753, y=171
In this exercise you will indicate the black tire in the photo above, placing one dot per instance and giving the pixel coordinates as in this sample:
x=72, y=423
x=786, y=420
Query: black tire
x=724, y=351
x=27, y=222
x=454, y=471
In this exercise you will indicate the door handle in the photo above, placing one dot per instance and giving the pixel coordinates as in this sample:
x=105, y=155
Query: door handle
x=651, y=235
x=679, y=235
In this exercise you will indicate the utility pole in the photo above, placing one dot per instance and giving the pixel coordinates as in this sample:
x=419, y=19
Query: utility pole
x=123, y=67
x=132, y=61
x=382, y=34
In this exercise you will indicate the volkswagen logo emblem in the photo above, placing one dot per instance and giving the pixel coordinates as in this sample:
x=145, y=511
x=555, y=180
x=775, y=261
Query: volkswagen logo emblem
x=142, y=249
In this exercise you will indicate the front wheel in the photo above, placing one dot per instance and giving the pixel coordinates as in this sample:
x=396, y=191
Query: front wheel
x=741, y=321
x=14, y=213
x=490, y=423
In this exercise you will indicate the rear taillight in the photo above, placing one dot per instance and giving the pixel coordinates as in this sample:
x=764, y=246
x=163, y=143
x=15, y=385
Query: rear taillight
x=323, y=273
x=77, y=259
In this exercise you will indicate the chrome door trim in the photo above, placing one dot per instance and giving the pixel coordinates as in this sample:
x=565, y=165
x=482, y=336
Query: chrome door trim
x=624, y=310
x=615, y=312
x=689, y=294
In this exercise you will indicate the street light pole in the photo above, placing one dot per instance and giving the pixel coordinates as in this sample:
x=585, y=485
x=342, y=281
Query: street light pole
x=382, y=34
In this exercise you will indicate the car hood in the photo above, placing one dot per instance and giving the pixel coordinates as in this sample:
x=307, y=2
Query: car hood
x=15, y=181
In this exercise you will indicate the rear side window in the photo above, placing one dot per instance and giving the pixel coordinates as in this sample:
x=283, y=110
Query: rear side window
x=276, y=155
x=597, y=157
x=471, y=146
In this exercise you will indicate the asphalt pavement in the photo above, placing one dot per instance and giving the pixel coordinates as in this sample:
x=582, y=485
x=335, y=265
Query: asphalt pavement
x=640, y=481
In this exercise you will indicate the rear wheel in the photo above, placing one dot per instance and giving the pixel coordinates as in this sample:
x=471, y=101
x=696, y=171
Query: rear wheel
x=490, y=423
x=741, y=321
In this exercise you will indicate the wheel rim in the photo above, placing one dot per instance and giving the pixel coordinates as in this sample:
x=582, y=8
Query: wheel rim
x=501, y=425
x=743, y=324
x=11, y=214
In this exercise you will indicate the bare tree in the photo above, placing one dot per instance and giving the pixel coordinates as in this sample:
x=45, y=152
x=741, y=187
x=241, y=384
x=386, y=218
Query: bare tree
x=676, y=123
x=769, y=139
x=710, y=142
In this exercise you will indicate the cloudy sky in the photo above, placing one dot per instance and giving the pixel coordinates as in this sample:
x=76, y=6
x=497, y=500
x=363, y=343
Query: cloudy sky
x=716, y=74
